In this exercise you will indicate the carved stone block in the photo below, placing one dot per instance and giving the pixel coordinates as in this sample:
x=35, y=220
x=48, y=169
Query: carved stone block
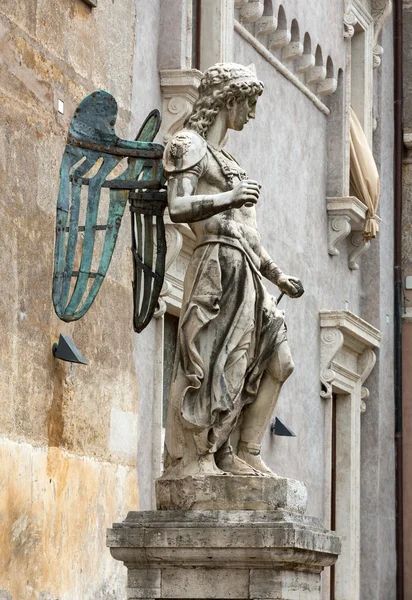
x=252, y=11
x=327, y=86
x=266, y=25
x=279, y=39
x=315, y=75
x=223, y=492
x=292, y=51
x=305, y=63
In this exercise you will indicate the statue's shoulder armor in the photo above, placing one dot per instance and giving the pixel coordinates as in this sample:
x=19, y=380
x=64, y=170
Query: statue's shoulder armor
x=183, y=151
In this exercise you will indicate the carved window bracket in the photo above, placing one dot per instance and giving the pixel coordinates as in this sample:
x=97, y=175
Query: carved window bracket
x=346, y=217
x=347, y=355
x=179, y=89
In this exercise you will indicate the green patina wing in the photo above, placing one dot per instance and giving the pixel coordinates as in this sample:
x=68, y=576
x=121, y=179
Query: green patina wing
x=148, y=238
x=84, y=240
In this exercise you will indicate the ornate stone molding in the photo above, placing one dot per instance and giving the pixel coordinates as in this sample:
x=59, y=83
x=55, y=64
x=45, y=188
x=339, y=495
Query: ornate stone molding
x=366, y=362
x=347, y=356
x=377, y=56
x=381, y=11
x=280, y=67
x=331, y=341
x=349, y=23
x=179, y=89
x=359, y=245
x=344, y=215
x=280, y=39
x=347, y=216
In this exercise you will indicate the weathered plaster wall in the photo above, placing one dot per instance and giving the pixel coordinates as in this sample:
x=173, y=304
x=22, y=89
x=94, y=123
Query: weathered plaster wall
x=68, y=432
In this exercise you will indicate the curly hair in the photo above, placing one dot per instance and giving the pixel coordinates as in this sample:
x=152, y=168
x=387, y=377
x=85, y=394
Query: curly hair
x=218, y=84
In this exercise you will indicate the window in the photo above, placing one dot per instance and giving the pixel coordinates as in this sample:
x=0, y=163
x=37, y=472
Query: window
x=195, y=34
x=362, y=68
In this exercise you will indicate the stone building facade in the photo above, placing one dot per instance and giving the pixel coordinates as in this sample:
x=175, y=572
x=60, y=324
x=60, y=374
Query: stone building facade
x=81, y=445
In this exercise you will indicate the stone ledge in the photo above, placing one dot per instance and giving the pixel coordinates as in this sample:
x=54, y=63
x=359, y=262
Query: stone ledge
x=261, y=539
x=231, y=492
x=223, y=554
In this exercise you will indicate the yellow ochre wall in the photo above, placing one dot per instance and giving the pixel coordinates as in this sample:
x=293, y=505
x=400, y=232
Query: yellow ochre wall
x=64, y=475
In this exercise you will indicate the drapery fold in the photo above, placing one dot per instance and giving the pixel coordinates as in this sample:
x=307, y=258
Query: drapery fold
x=364, y=177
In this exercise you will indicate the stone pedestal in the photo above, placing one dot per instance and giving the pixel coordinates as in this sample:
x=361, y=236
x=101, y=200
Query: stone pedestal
x=236, y=554
x=230, y=492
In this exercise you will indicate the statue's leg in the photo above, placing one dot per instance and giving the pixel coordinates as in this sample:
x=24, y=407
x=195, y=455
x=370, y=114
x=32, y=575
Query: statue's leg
x=229, y=462
x=256, y=416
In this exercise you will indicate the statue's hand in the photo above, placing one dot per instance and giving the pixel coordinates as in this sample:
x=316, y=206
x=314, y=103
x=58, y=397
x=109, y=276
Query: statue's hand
x=291, y=286
x=246, y=192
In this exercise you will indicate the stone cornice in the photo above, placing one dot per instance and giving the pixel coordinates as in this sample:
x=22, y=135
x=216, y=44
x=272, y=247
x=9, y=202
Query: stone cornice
x=347, y=355
x=352, y=326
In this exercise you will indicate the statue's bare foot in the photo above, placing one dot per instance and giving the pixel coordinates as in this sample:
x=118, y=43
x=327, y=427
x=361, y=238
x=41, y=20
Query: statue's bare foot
x=250, y=454
x=230, y=463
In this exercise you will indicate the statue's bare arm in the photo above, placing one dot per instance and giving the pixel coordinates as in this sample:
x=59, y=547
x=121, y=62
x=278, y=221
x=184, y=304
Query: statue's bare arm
x=291, y=286
x=187, y=207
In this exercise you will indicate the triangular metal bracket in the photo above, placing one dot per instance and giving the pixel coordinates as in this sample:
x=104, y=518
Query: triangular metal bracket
x=279, y=428
x=67, y=350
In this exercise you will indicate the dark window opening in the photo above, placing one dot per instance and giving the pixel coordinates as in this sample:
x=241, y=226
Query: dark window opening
x=196, y=34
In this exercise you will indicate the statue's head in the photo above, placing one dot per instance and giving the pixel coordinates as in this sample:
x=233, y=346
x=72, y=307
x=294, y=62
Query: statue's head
x=225, y=86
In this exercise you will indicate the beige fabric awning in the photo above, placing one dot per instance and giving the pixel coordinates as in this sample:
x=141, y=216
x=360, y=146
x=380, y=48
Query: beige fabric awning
x=364, y=177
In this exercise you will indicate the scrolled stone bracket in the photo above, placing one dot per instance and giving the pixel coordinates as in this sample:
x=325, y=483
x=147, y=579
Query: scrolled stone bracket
x=366, y=362
x=359, y=245
x=377, y=56
x=339, y=227
x=347, y=215
x=381, y=11
x=331, y=341
x=349, y=23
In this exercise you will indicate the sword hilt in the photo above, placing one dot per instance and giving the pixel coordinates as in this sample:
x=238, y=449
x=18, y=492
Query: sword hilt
x=280, y=298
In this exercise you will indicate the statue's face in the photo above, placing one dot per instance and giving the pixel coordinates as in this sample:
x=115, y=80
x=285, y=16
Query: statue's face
x=240, y=111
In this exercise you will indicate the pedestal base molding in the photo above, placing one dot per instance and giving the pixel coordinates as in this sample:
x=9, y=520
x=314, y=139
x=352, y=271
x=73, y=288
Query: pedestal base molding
x=223, y=554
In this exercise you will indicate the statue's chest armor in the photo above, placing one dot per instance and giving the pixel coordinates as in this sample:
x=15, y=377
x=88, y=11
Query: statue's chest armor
x=223, y=172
